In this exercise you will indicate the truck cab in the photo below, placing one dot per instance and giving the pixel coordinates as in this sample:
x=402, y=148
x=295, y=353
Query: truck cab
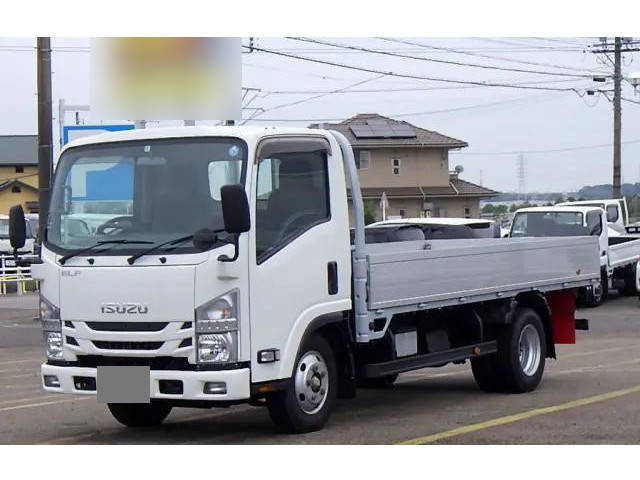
x=618, y=253
x=615, y=208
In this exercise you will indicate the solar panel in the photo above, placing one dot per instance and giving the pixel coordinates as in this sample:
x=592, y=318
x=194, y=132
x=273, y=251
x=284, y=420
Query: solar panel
x=381, y=128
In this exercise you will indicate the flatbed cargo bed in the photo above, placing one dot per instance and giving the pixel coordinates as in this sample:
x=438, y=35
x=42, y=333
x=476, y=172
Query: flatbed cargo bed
x=438, y=273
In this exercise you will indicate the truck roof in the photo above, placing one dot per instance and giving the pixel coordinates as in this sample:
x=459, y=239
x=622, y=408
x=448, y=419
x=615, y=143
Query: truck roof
x=246, y=132
x=558, y=208
x=591, y=202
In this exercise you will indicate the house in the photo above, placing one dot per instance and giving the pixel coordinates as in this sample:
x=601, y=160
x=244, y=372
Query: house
x=19, y=172
x=410, y=166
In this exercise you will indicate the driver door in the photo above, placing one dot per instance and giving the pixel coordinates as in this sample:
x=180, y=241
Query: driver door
x=300, y=262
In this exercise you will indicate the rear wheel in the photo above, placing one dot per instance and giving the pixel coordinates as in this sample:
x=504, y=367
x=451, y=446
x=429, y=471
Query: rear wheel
x=306, y=403
x=594, y=295
x=631, y=280
x=519, y=363
x=139, y=414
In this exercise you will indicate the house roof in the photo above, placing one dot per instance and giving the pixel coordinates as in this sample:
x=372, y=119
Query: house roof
x=10, y=183
x=18, y=150
x=422, y=138
x=456, y=188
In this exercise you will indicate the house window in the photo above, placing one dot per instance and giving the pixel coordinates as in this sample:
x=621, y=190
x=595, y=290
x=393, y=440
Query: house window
x=467, y=212
x=395, y=165
x=403, y=213
x=15, y=189
x=365, y=160
x=19, y=169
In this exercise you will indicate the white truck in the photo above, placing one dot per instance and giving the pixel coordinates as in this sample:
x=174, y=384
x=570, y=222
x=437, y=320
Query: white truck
x=616, y=209
x=233, y=280
x=619, y=254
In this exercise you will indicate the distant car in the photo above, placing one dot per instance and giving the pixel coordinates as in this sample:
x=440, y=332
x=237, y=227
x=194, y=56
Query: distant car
x=436, y=228
x=5, y=244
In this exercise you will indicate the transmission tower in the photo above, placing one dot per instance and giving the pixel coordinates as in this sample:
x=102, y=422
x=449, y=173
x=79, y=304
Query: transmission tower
x=522, y=177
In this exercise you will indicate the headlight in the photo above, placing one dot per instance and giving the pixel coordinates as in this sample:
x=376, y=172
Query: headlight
x=53, y=345
x=49, y=316
x=217, y=330
x=218, y=347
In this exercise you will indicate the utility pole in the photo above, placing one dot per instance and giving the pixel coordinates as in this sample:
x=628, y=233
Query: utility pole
x=617, y=117
x=620, y=45
x=45, y=133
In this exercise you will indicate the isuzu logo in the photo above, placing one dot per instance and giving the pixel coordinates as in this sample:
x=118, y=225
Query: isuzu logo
x=122, y=308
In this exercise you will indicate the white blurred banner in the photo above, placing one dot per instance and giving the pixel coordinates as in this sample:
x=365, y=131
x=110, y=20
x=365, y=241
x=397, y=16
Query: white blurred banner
x=166, y=78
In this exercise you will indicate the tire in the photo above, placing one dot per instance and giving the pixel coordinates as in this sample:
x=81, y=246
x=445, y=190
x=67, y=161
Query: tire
x=505, y=371
x=307, y=402
x=630, y=281
x=594, y=296
x=382, y=382
x=139, y=414
x=525, y=332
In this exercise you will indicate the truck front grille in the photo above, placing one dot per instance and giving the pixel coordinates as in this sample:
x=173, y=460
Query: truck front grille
x=127, y=326
x=107, y=345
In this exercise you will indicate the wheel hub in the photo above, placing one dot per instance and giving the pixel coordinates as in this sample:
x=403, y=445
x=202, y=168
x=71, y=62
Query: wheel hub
x=530, y=350
x=311, y=382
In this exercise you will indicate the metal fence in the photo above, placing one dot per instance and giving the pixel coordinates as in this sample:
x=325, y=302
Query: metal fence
x=14, y=278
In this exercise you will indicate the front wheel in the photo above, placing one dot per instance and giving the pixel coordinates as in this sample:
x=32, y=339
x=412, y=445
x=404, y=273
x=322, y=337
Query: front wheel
x=305, y=405
x=139, y=414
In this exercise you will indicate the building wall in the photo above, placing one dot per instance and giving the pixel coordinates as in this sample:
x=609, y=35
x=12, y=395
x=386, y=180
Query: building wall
x=413, y=207
x=29, y=175
x=8, y=198
x=424, y=167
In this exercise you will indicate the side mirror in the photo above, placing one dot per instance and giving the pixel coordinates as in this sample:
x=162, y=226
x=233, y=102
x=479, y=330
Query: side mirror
x=235, y=213
x=235, y=209
x=17, y=228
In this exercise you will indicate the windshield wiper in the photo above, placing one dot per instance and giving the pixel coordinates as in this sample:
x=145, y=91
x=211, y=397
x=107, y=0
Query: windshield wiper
x=66, y=257
x=133, y=258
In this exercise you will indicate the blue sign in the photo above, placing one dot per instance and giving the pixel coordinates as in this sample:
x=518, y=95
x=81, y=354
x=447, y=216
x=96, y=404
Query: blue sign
x=72, y=132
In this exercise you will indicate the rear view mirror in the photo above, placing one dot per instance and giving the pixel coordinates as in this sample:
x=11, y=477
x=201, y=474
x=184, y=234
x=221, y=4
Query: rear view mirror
x=235, y=209
x=17, y=227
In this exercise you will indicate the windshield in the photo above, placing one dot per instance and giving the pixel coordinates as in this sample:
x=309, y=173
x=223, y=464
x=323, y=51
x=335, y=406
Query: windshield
x=548, y=224
x=148, y=190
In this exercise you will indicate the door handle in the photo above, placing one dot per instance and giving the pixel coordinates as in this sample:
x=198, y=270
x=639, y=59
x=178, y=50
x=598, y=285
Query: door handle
x=332, y=278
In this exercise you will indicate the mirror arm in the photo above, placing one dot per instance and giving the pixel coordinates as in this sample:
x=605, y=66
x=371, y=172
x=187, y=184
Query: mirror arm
x=234, y=242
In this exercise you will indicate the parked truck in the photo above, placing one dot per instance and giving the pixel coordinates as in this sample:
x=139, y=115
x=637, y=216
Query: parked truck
x=618, y=253
x=234, y=280
x=615, y=208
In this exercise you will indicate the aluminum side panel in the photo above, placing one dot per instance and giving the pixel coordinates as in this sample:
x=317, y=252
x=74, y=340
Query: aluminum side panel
x=407, y=272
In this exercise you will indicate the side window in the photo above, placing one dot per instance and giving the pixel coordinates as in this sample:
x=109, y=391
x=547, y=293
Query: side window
x=612, y=213
x=293, y=196
x=365, y=160
x=594, y=223
x=221, y=173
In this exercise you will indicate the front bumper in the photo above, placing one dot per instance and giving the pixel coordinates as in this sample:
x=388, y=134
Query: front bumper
x=238, y=382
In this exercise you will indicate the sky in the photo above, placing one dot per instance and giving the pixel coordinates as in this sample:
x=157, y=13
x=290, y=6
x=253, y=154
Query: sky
x=564, y=135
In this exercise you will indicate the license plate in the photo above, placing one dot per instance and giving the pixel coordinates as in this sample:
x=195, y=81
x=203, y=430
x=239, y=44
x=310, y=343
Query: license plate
x=123, y=384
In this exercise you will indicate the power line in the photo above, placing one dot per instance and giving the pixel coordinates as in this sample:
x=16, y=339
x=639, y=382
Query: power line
x=314, y=97
x=554, y=150
x=406, y=89
x=436, y=60
x=414, y=77
x=481, y=55
x=410, y=114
